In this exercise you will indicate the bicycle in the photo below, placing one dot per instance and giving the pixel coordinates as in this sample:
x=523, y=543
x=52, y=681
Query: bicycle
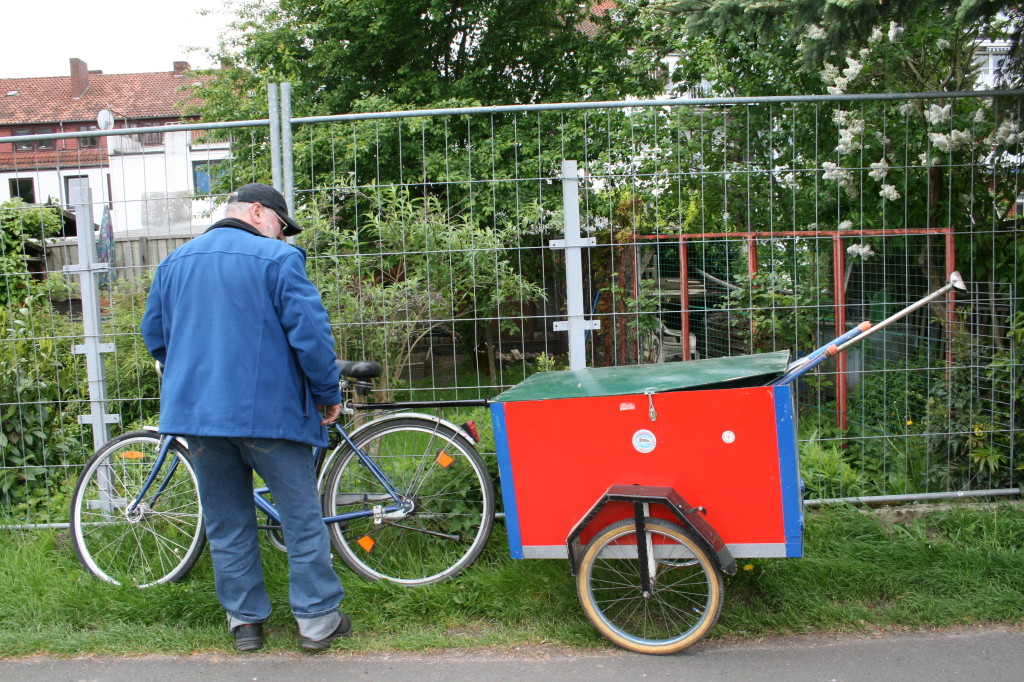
x=406, y=497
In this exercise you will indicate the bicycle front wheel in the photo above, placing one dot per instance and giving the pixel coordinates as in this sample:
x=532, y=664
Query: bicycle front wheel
x=156, y=541
x=445, y=491
x=686, y=589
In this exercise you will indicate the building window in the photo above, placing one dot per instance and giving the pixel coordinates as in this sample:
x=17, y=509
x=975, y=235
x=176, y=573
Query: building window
x=24, y=146
x=990, y=61
x=33, y=145
x=203, y=174
x=149, y=139
x=24, y=188
x=45, y=144
x=72, y=183
x=88, y=142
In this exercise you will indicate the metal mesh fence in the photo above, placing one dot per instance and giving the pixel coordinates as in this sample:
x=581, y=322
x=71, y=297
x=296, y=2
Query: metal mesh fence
x=720, y=227
x=148, y=194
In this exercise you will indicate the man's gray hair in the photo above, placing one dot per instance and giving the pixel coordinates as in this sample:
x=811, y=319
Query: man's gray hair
x=237, y=207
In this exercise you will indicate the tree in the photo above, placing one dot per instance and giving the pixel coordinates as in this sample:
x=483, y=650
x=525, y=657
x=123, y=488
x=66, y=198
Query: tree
x=853, y=47
x=942, y=162
x=354, y=56
x=841, y=27
x=350, y=56
x=425, y=52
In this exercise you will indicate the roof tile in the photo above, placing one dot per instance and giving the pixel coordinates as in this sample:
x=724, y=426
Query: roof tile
x=28, y=161
x=132, y=95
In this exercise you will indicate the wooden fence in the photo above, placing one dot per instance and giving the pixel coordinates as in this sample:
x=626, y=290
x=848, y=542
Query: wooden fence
x=132, y=254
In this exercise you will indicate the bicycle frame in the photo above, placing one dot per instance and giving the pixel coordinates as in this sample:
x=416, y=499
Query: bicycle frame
x=165, y=446
x=259, y=494
x=398, y=507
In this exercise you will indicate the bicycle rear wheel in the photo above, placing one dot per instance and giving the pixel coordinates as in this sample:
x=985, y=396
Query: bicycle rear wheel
x=445, y=485
x=686, y=592
x=161, y=538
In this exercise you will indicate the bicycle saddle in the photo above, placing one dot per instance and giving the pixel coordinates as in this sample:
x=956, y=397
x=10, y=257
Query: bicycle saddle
x=359, y=369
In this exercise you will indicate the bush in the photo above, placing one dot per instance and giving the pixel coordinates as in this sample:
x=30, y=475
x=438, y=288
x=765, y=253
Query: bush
x=772, y=311
x=969, y=414
x=410, y=266
x=824, y=471
x=39, y=391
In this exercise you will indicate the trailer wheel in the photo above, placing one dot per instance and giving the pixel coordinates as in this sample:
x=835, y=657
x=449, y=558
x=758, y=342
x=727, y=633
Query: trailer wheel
x=686, y=592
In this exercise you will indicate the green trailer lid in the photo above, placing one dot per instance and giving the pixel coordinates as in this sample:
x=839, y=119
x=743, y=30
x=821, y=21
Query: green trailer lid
x=740, y=370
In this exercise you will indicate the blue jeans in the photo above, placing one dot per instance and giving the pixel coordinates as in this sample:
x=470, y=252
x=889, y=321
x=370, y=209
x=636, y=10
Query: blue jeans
x=224, y=468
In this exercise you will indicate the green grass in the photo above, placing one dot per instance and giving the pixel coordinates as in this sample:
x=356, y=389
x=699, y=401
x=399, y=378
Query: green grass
x=958, y=566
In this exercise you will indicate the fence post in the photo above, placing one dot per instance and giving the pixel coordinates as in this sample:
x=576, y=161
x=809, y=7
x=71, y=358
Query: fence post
x=87, y=270
x=286, y=148
x=576, y=324
x=275, y=135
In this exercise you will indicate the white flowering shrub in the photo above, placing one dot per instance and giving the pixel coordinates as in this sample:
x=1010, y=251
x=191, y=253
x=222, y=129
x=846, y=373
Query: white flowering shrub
x=862, y=251
x=856, y=167
x=912, y=152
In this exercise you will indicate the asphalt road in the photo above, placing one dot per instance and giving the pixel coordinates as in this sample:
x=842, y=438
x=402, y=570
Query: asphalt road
x=986, y=654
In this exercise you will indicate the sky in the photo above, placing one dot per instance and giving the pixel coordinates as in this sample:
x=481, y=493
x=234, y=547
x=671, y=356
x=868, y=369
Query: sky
x=115, y=36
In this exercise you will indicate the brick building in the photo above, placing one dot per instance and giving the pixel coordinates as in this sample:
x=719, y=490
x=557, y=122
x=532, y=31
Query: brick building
x=152, y=181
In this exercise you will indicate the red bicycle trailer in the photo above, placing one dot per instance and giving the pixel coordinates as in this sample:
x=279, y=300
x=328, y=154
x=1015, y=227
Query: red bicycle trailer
x=652, y=480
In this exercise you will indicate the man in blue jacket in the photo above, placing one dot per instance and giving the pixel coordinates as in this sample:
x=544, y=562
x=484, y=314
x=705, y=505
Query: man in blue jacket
x=250, y=379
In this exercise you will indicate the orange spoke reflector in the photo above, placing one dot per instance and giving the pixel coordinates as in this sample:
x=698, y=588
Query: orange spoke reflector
x=132, y=454
x=444, y=459
x=366, y=542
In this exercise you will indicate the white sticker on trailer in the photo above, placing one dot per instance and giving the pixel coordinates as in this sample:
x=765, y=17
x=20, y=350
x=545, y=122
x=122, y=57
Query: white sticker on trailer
x=644, y=441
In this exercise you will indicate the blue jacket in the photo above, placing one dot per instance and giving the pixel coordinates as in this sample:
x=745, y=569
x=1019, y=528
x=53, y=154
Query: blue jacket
x=244, y=338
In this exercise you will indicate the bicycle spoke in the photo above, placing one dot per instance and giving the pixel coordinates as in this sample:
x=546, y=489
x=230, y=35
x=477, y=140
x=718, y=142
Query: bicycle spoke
x=683, y=602
x=446, y=536
x=155, y=541
x=450, y=499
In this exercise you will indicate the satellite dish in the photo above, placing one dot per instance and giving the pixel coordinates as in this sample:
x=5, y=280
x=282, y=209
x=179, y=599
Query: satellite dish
x=105, y=119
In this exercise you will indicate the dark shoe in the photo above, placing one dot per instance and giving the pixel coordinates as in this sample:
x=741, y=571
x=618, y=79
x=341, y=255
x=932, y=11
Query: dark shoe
x=248, y=637
x=344, y=629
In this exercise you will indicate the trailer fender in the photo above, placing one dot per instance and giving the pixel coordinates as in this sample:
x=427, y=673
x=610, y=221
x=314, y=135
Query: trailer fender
x=638, y=495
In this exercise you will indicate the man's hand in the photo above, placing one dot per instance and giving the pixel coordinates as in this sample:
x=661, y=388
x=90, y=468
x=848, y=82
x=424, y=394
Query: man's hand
x=330, y=412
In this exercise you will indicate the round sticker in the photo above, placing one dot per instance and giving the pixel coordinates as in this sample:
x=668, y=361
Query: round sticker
x=728, y=437
x=644, y=441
